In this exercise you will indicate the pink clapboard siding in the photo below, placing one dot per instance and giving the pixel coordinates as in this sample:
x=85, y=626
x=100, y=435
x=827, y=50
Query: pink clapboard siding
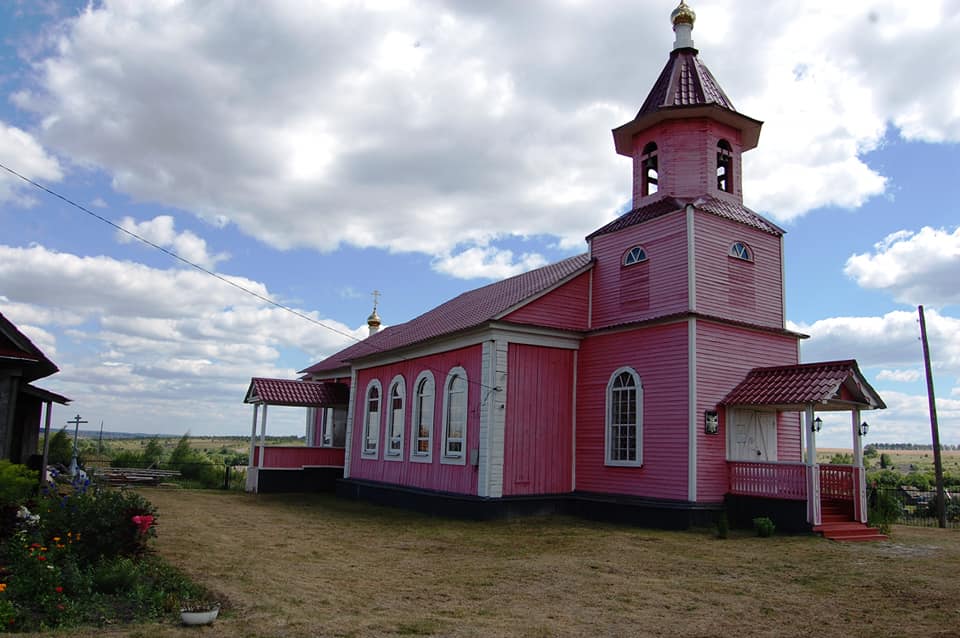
x=461, y=479
x=649, y=289
x=725, y=354
x=299, y=457
x=564, y=308
x=732, y=288
x=659, y=355
x=539, y=421
x=687, y=151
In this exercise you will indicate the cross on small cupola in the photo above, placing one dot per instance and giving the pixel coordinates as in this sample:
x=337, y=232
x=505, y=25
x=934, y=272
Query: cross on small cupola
x=373, y=321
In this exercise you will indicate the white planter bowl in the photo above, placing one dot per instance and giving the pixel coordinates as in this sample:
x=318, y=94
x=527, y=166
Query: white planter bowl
x=199, y=617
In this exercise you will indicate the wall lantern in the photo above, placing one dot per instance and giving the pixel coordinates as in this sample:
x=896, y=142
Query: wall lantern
x=711, y=422
x=864, y=428
x=817, y=424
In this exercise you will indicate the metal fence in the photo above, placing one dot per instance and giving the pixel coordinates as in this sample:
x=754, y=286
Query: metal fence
x=913, y=506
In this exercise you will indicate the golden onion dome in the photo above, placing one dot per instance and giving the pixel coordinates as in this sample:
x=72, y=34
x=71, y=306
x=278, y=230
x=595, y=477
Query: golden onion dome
x=374, y=318
x=683, y=15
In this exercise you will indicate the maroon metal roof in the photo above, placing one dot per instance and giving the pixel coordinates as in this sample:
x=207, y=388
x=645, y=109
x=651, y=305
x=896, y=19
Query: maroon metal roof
x=16, y=345
x=719, y=207
x=296, y=393
x=469, y=310
x=818, y=384
x=684, y=81
x=45, y=395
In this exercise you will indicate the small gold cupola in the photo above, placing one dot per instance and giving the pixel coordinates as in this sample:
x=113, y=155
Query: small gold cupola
x=373, y=321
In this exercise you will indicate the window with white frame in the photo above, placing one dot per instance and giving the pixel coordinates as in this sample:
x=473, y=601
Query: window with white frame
x=455, y=416
x=624, y=428
x=394, y=440
x=371, y=419
x=422, y=416
x=634, y=256
x=740, y=250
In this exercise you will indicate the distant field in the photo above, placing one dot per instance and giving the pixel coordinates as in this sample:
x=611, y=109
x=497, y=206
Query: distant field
x=904, y=460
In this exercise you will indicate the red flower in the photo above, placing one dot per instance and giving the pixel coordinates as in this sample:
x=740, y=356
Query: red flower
x=143, y=522
x=60, y=607
x=59, y=590
x=41, y=558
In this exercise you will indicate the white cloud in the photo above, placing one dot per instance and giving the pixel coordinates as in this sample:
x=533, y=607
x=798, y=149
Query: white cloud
x=915, y=268
x=487, y=263
x=431, y=126
x=900, y=376
x=889, y=341
x=22, y=153
x=147, y=346
x=160, y=231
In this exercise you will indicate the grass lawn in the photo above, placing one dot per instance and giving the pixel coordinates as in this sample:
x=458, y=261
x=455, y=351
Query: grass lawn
x=315, y=566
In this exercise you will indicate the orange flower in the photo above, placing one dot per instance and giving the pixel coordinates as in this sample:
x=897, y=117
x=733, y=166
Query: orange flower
x=56, y=539
x=3, y=587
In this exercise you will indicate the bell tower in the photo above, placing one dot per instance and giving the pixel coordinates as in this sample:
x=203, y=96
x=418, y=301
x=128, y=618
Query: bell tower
x=687, y=138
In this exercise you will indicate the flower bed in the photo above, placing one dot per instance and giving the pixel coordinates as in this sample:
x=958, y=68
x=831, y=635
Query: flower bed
x=75, y=554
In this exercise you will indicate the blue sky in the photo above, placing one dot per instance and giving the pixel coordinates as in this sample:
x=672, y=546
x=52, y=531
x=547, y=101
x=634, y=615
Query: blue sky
x=319, y=151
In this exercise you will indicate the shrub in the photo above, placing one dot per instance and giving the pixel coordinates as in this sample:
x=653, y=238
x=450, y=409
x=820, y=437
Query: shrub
x=17, y=483
x=764, y=526
x=723, y=525
x=884, y=509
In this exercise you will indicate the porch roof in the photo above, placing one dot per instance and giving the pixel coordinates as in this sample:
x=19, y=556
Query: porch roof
x=308, y=394
x=827, y=385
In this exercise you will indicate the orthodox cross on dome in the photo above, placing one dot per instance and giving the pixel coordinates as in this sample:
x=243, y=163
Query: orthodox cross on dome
x=373, y=321
x=683, y=18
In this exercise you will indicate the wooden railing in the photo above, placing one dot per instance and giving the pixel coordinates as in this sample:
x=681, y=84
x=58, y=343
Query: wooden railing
x=769, y=480
x=837, y=482
x=298, y=457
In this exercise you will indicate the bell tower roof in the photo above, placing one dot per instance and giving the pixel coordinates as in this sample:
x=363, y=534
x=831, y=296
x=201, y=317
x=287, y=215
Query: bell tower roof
x=686, y=89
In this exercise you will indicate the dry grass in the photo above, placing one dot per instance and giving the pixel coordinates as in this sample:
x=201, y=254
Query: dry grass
x=316, y=566
x=904, y=461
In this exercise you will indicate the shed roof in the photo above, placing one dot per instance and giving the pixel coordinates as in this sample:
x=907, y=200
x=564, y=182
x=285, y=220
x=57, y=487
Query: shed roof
x=827, y=385
x=17, y=348
x=296, y=393
x=469, y=310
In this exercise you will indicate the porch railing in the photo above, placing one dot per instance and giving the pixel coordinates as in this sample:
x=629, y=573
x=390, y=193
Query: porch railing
x=769, y=480
x=298, y=457
x=837, y=482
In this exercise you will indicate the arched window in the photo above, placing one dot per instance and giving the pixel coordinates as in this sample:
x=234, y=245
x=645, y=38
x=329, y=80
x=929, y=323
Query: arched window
x=724, y=166
x=740, y=250
x=371, y=419
x=422, y=431
x=649, y=169
x=394, y=439
x=634, y=256
x=455, y=417
x=624, y=428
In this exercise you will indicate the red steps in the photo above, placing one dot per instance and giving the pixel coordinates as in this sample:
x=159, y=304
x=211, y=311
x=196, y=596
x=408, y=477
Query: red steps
x=838, y=524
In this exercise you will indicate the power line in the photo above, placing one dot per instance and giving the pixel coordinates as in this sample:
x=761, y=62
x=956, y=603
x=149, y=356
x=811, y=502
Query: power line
x=170, y=253
x=373, y=349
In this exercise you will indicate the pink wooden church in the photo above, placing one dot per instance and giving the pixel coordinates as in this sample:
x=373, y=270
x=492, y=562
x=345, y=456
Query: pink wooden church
x=650, y=379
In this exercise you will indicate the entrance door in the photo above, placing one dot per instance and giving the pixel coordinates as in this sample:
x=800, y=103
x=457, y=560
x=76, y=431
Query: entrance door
x=753, y=436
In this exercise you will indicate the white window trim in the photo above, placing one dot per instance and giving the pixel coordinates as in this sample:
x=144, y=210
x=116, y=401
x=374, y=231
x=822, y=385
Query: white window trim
x=746, y=246
x=607, y=425
x=364, y=452
x=626, y=256
x=444, y=457
x=416, y=456
x=388, y=454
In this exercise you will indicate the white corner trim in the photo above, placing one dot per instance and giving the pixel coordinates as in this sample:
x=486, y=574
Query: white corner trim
x=348, y=440
x=691, y=260
x=692, y=384
x=487, y=367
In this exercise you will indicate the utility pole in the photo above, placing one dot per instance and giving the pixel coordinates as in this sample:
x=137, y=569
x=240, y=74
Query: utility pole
x=934, y=428
x=76, y=431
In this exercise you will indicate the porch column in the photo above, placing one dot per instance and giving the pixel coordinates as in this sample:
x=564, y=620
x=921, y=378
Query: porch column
x=251, y=473
x=860, y=475
x=813, y=469
x=263, y=435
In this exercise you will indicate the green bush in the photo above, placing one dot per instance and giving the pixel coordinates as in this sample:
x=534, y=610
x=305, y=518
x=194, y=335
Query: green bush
x=723, y=525
x=884, y=509
x=17, y=483
x=764, y=526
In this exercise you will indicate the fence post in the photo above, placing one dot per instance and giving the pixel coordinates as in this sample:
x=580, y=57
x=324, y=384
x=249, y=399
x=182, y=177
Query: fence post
x=226, y=476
